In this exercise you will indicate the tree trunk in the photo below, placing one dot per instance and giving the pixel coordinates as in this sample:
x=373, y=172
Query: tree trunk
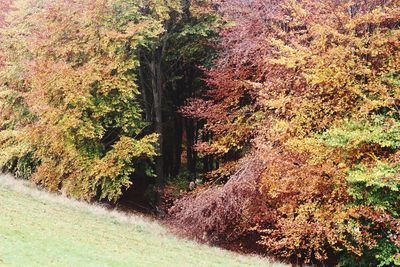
x=157, y=89
x=177, y=145
x=145, y=94
x=190, y=141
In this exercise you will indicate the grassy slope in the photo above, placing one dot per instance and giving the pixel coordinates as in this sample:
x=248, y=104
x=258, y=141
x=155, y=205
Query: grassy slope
x=40, y=229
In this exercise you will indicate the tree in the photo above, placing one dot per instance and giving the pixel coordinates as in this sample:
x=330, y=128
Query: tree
x=170, y=74
x=319, y=80
x=79, y=85
x=79, y=74
x=16, y=153
x=228, y=108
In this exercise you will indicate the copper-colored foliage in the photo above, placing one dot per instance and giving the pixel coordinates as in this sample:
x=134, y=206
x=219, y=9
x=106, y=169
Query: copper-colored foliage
x=217, y=214
x=289, y=71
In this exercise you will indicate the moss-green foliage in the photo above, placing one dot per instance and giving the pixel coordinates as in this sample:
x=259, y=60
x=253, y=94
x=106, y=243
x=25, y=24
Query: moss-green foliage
x=373, y=142
x=383, y=254
x=377, y=130
x=377, y=186
x=370, y=147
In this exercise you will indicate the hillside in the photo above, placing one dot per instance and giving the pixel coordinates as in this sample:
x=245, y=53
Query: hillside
x=40, y=229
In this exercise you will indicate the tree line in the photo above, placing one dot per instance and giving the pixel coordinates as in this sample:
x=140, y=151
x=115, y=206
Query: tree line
x=99, y=82
x=285, y=111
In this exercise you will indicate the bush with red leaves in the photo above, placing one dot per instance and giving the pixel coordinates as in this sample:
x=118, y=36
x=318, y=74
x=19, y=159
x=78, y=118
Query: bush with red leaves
x=218, y=214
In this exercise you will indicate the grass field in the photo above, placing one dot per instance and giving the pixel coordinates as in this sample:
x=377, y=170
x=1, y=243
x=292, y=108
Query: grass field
x=41, y=229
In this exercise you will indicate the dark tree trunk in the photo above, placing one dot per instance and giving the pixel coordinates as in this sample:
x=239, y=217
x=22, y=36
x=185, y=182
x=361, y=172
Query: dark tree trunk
x=147, y=98
x=177, y=145
x=207, y=159
x=157, y=89
x=190, y=141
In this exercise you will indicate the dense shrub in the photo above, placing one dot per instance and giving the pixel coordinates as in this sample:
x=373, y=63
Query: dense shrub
x=221, y=214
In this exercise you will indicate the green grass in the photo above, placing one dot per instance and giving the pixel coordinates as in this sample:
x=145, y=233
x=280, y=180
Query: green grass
x=41, y=229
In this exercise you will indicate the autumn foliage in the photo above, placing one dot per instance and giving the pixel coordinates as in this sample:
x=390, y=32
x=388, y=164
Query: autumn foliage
x=288, y=111
x=311, y=88
x=72, y=79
